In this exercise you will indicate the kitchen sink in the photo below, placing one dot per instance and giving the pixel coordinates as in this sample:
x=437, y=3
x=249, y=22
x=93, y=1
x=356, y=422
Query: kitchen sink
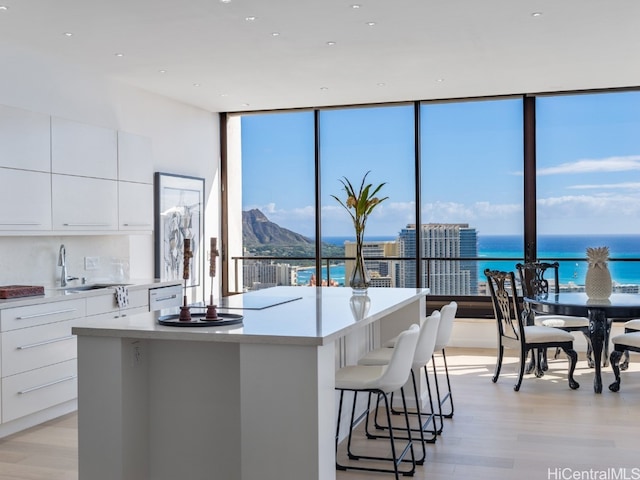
x=93, y=286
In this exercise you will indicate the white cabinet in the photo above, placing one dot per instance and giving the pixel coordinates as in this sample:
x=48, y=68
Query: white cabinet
x=135, y=186
x=25, y=139
x=135, y=206
x=84, y=150
x=35, y=390
x=26, y=200
x=38, y=368
x=84, y=204
x=105, y=306
x=135, y=158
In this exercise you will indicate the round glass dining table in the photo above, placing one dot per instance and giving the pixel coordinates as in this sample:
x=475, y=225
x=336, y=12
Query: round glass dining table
x=599, y=312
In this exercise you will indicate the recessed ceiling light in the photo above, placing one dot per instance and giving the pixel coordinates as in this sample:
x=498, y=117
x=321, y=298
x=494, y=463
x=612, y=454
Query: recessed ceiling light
x=224, y=94
x=275, y=34
x=440, y=80
x=162, y=71
x=250, y=19
x=371, y=24
x=68, y=34
x=196, y=84
x=119, y=54
x=245, y=104
x=331, y=44
x=381, y=84
x=225, y=1
x=355, y=6
x=536, y=14
x=4, y=7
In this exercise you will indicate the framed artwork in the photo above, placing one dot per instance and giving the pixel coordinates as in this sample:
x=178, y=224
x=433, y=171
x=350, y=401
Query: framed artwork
x=178, y=214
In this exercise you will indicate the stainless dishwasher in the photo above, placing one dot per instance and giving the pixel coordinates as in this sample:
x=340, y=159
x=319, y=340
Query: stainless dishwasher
x=165, y=297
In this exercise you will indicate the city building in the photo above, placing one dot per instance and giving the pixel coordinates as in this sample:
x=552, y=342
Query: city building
x=259, y=274
x=443, y=277
x=381, y=271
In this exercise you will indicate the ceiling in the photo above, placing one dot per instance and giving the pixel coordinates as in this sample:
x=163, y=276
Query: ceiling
x=209, y=53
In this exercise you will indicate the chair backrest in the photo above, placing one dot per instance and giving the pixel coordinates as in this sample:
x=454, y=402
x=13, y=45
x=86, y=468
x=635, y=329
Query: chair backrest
x=398, y=369
x=532, y=278
x=506, y=306
x=426, y=340
x=447, y=316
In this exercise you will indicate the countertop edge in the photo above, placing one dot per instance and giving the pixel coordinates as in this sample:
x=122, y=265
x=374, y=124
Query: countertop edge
x=52, y=295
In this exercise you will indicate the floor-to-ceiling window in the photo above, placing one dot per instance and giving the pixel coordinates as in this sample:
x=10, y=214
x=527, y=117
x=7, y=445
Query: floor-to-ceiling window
x=472, y=201
x=463, y=191
x=588, y=182
x=378, y=140
x=273, y=193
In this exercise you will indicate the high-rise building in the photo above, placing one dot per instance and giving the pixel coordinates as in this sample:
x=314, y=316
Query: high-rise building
x=441, y=240
x=381, y=272
x=260, y=274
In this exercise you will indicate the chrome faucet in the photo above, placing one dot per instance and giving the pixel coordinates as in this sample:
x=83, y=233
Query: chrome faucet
x=62, y=262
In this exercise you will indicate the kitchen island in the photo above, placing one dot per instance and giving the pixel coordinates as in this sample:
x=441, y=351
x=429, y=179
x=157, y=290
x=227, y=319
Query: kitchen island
x=254, y=401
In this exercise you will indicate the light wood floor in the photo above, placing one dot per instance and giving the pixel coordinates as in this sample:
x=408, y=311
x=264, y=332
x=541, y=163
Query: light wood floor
x=496, y=433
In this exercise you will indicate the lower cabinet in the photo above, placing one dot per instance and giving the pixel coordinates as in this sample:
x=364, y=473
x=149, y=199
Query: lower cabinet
x=35, y=390
x=38, y=368
x=105, y=306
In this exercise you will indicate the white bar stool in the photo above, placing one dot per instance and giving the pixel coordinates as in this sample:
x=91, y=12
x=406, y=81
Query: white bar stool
x=448, y=315
x=421, y=357
x=381, y=380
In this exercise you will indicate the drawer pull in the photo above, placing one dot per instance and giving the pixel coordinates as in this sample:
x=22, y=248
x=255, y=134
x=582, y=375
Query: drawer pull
x=22, y=224
x=136, y=224
x=45, y=314
x=171, y=297
x=85, y=224
x=45, y=385
x=46, y=342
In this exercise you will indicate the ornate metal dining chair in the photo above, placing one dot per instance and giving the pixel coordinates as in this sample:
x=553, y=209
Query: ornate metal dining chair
x=533, y=282
x=621, y=345
x=629, y=327
x=513, y=333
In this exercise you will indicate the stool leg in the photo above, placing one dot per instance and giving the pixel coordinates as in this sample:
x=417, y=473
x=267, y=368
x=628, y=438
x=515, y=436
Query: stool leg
x=396, y=459
x=449, y=394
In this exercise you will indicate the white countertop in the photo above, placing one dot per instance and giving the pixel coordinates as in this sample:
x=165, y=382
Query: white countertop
x=56, y=294
x=307, y=316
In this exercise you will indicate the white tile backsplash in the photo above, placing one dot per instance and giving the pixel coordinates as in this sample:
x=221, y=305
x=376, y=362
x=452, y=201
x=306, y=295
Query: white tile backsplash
x=34, y=260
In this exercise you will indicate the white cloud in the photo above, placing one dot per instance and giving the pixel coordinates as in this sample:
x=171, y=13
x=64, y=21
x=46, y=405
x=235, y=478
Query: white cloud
x=621, y=185
x=610, y=164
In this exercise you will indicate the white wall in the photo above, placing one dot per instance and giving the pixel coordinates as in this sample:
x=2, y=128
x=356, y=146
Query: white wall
x=185, y=141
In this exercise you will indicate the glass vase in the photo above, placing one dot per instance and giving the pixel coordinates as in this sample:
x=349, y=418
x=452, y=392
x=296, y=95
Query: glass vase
x=360, y=279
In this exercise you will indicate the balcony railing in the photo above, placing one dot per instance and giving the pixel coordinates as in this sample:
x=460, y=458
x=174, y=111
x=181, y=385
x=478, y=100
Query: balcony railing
x=577, y=264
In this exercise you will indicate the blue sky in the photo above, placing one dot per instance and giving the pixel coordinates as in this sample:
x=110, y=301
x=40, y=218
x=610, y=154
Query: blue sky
x=588, y=162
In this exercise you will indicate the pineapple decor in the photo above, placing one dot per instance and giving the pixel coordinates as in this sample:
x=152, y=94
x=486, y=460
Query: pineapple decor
x=598, y=282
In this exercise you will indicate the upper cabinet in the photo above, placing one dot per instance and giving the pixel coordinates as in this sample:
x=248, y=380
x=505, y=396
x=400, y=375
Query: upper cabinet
x=26, y=200
x=59, y=176
x=135, y=158
x=83, y=150
x=25, y=139
x=84, y=204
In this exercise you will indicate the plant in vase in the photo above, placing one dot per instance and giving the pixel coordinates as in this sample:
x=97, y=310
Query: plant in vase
x=597, y=284
x=359, y=204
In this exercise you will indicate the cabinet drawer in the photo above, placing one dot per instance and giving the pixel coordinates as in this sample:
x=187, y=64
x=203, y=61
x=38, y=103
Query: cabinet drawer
x=165, y=297
x=36, y=390
x=32, y=315
x=107, y=303
x=35, y=347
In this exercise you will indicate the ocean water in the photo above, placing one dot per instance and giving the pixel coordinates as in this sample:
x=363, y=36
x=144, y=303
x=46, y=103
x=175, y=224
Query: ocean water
x=550, y=247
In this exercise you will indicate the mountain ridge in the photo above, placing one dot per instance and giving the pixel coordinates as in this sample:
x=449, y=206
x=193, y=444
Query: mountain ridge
x=258, y=230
